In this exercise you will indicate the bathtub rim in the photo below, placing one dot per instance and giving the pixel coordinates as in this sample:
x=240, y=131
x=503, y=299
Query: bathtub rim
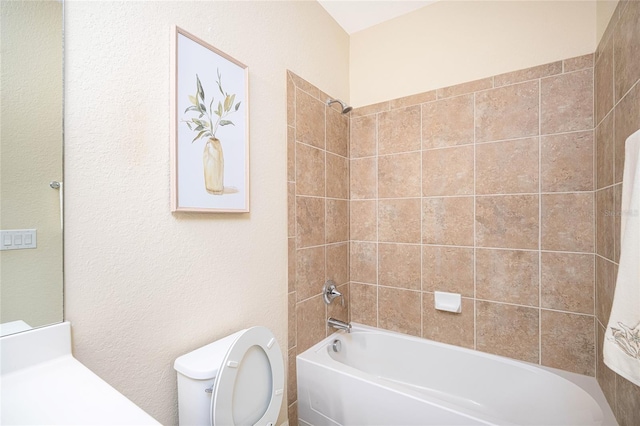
x=588, y=384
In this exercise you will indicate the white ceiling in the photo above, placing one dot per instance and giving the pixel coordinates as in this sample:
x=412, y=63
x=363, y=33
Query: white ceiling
x=356, y=15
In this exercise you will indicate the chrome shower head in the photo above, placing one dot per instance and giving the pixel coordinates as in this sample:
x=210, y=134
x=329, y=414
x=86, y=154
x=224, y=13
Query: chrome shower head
x=345, y=108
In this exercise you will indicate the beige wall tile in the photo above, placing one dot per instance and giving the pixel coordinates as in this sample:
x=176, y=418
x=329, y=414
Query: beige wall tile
x=448, y=327
x=509, y=276
x=399, y=130
x=291, y=101
x=617, y=211
x=626, y=40
x=383, y=188
x=304, y=85
x=507, y=167
x=364, y=304
x=399, y=175
x=291, y=209
x=627, y=121
x=411, y=100
x=526, y=74
x=399, y=266
x=507, y=112
x=447, y=122
x=567, y=222
x=507, y=330
x=507, y=221
x=447, y=221
x=310, y=323
x=399, y=310
x=567, y=282
x=337, y=132
x=292, y=320
x=604, y=152
x=606, y=377
x=447, y=171
x=310, y=120
x=363, y=263
x=364, y=220
x=605, y=287
x=605, y=223
x=370, y=109
x=337, y=177
x=310, y=170
x=292, y=412
x=309, y=221
x=310, y=272
x=464, y=88
x=337, y=218
x=603, y=83
x=291, y=154
x=292, y=389
x=399, y=220
x=627, y=402
x=566, y=162
x=338, y=263
x=449, y=269
x=363, y=178
x=578, y=63
x=291, y=260
x=567, y=342
x=363, y=137
x=566, y=102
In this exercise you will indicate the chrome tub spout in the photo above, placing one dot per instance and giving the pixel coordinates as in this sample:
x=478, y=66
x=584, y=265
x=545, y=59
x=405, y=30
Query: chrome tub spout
x=340, y=325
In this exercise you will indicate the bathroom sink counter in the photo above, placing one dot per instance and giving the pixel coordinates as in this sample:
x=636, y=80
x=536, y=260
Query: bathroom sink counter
x=45, y=385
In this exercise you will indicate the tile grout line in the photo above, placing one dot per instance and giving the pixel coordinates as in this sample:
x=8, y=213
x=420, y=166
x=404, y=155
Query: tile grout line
x=475, y=242
x=540, y=218
x=421, y=224
x=348, y=259
x=324, y=246
x=594, y=205
x=377, y=222
x=295, y=215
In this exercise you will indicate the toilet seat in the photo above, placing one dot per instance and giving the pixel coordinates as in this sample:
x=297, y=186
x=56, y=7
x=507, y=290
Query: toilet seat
x=250, y=384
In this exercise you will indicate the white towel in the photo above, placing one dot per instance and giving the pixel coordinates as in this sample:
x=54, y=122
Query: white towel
x=622, y=338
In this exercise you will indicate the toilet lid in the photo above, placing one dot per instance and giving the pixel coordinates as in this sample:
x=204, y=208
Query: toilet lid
x=250, y=384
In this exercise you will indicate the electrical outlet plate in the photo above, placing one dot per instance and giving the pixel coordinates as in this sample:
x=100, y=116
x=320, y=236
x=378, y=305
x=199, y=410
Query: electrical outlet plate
x=17, y=239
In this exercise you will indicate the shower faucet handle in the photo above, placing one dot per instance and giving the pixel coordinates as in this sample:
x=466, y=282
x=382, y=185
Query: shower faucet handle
x=330, y=292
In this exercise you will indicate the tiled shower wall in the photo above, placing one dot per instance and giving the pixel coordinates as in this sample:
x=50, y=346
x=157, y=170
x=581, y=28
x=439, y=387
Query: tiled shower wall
x=617, y=115
x=318, y=199
x=484, y=189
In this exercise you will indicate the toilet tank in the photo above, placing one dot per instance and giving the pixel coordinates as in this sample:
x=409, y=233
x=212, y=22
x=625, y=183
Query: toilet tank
x=197, y=371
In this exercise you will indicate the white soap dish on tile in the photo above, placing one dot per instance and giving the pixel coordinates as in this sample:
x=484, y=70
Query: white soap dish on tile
x=450, y=302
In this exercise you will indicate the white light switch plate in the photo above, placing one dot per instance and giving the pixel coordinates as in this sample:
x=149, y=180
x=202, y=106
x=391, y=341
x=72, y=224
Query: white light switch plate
x=16, y=239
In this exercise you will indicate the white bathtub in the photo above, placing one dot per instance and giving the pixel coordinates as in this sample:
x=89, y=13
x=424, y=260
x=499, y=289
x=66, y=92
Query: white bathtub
x=383, y=378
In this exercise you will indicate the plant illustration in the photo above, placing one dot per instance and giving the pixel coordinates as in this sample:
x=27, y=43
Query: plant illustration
x=204, y=123
x=628, y=339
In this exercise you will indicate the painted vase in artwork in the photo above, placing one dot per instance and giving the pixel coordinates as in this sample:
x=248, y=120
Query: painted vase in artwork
x=213, y=165
x=206, y=124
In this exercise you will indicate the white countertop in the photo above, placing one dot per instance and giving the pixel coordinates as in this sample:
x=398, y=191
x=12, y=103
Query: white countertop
x=47, y=385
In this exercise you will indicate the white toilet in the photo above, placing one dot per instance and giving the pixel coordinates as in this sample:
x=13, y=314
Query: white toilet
x=237, y=380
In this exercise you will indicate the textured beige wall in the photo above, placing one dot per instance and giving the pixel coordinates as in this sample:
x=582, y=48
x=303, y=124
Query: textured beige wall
x=144, y=286
x=31, y=157
x=604, y=12
x=452, y=42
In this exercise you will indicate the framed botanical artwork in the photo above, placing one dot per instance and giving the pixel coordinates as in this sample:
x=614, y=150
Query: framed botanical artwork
x=209, y=128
